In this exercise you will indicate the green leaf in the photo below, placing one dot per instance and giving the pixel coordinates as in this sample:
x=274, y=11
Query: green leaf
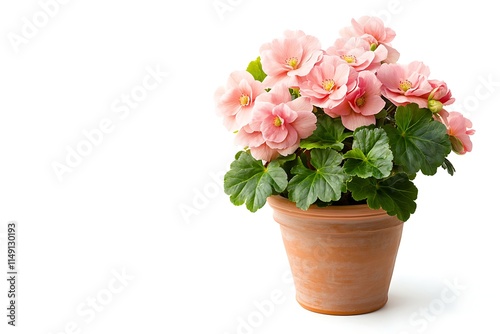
x=249, y=181
x=449, y=167
x=295, y=92
x=396, y=195
x=418, y=142
x=371, y=154
x=284, y=159
x=329, y=133
x=325, y=182
x=255, y=69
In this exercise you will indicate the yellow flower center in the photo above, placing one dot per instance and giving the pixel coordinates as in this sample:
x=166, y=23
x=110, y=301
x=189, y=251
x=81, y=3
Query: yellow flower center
x=360, y=101
x=278, y=121
x=349, y=58
x=405, y=85
x=244, y=100
x=328, y=85
x=293, y=62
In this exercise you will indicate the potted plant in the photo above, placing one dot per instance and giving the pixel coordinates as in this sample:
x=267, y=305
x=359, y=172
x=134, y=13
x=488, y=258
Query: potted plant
x=333, y=139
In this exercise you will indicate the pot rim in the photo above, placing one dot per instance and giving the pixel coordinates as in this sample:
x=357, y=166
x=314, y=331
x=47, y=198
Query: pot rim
x=342, y=219
x=281, y=203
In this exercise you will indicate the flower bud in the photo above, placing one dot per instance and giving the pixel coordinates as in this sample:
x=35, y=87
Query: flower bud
x=456, y=145
x=435, y=106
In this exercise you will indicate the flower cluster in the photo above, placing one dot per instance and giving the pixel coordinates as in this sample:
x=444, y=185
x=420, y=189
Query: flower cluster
x=345, y=103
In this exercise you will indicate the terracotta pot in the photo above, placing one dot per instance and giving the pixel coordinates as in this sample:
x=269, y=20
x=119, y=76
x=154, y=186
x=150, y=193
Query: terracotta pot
x=341, y=257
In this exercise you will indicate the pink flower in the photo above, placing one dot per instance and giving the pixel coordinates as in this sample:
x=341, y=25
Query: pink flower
x=284, y=60
x=403, y=84
x=440, y=92
x=328, y=82
x=361, y=104
x=236, y=100
x=372, y=29
x=459, y=130
x=357, y=53
x=255, y=141
x=439, y=96
x=278, y=124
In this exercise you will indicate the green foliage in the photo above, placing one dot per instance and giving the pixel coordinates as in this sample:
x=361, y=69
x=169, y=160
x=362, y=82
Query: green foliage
x=255, y=69
x=418, y=142
x=396, y=194
x=326, y=181
x=329, y=133
x=249, y=181
x=370, y=154
x=449, y=167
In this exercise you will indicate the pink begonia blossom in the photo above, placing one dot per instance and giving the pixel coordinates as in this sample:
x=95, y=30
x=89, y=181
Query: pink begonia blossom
x=236, y=100
x=328, y=82
x=440, y=92
x=256, y=143
x=357, y=53
x=459, y=130
x=403, y=84
x=439, y=96
x=369, y=27
x=278, y=124
x=360, y=105
x=286, y=59
x=372, y=29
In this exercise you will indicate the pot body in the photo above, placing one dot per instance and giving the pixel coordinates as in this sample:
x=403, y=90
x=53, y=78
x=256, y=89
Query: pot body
x=341, y=257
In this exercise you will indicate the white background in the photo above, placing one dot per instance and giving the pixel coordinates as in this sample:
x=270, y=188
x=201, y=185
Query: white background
x=119, y=210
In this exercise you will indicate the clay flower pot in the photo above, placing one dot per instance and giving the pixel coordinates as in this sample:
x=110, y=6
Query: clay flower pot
x=341, y=257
